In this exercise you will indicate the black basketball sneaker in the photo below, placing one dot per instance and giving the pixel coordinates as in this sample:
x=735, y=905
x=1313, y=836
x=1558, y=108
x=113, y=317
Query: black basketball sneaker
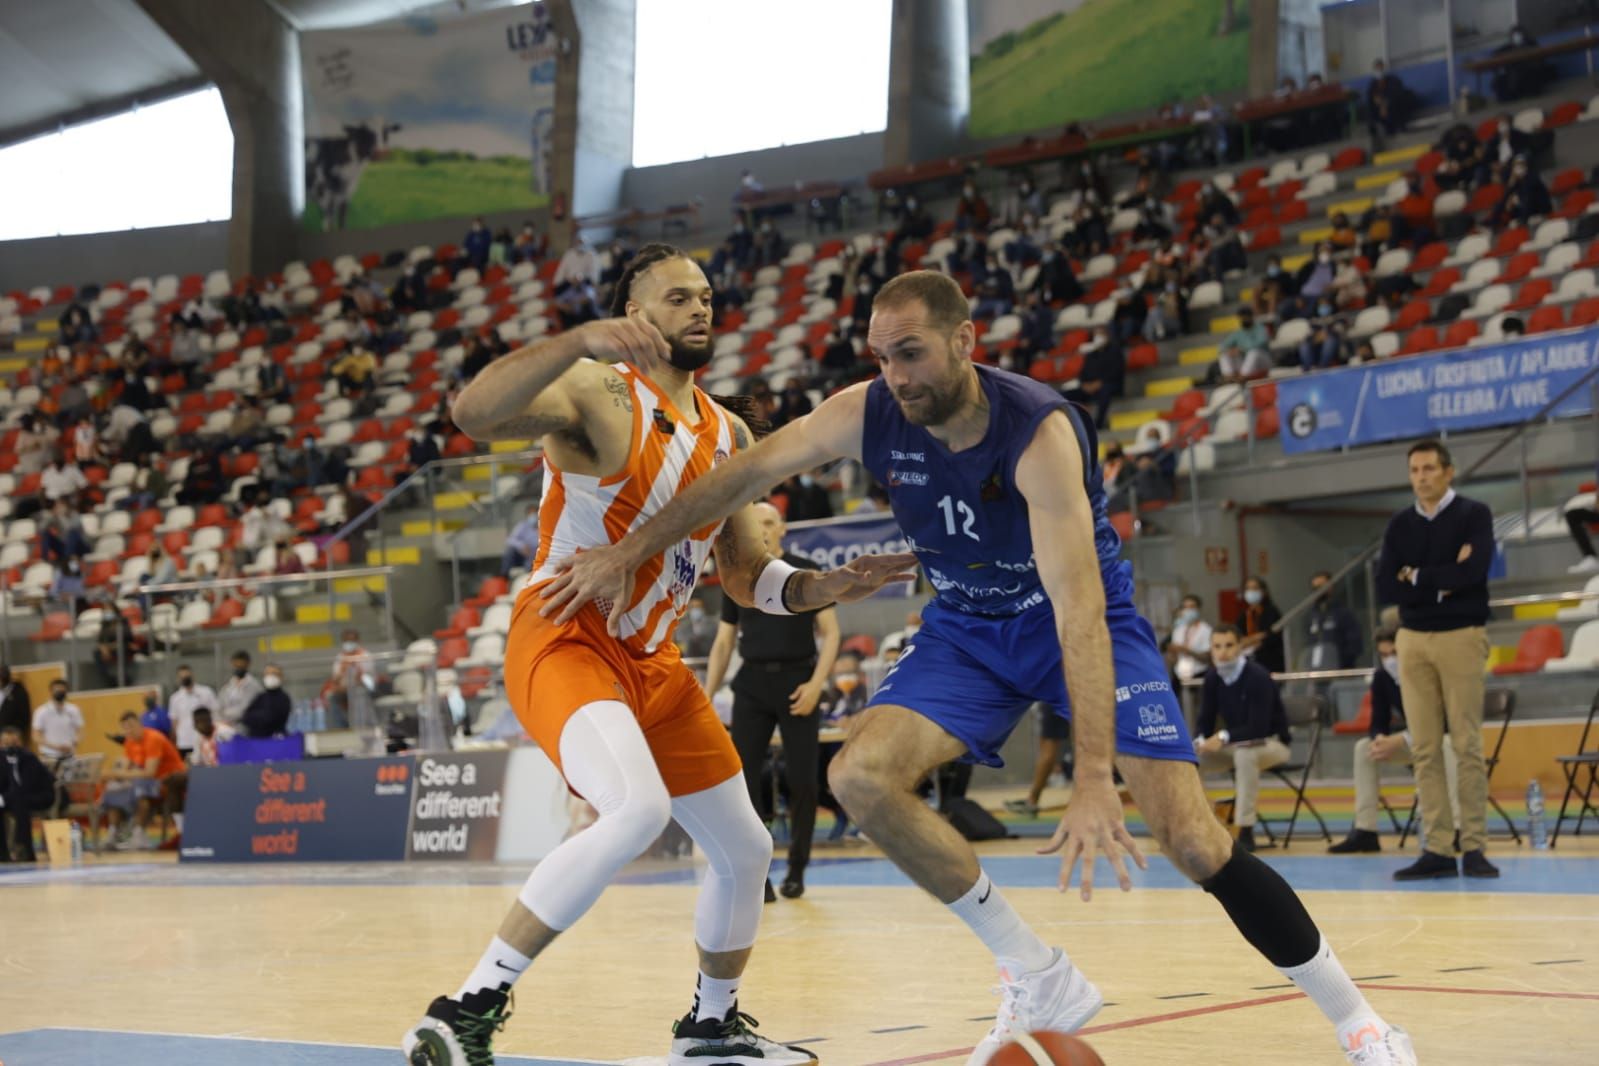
x=732, y=1041
x=458, y=1032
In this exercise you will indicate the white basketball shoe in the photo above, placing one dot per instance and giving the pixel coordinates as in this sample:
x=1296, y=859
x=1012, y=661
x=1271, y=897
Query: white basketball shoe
x=1372, y=1045
x=1057, y=999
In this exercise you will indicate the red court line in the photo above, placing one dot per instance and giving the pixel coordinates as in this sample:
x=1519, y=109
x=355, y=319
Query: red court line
x=1218, y=1008
x=1523, y=993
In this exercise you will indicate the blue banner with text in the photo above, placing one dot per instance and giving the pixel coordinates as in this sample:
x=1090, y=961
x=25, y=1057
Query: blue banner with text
x=1419, y=396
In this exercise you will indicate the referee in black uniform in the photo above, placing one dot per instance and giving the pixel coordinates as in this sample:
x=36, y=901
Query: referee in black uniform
x=784, y=673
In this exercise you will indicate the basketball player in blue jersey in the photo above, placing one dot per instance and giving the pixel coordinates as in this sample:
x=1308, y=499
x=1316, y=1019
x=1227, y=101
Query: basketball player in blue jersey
x=993, y=478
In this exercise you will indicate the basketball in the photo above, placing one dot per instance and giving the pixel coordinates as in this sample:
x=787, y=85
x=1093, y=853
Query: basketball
x=1043, y=1049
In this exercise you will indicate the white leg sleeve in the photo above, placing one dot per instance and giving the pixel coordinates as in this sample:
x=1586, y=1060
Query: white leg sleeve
x=725, y=826
x=605, y=758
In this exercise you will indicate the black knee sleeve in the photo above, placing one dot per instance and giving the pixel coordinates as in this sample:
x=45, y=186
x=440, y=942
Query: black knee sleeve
x=1265, y=909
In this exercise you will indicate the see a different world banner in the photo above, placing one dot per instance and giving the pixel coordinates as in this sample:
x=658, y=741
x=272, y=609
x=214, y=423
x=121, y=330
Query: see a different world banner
x=1418, y=396
x=428, y=118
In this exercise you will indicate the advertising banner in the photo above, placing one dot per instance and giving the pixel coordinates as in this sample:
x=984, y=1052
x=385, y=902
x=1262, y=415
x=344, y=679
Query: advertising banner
x=1418, y=396
x=457, y=806
x=835, y=541
x=424, y=118
x=323, y=810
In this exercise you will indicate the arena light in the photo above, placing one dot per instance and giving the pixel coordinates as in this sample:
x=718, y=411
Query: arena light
x=165, y=164
x=715, y=77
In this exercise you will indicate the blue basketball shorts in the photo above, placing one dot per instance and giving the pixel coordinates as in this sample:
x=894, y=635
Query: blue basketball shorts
x=976, y=677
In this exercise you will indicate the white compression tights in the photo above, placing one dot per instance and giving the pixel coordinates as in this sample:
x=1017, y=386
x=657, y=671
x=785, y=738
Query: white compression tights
x=606, y=760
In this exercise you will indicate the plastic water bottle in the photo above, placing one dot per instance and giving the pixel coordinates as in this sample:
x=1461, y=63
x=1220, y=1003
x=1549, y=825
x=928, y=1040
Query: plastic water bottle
x=76, y=831
x=1537, y=831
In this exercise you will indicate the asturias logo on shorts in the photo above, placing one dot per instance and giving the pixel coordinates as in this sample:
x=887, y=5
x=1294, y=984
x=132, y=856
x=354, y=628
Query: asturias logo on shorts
x=1153, y=724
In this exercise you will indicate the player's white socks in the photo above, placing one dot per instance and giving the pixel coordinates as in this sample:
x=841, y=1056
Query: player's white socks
x=500, y=965
x=1325, y=980
x=714, y=997
x=1001, y=928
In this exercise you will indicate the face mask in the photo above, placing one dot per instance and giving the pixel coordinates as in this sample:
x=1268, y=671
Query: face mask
x=1230, y=672
x=696, y=613
x=350, y=645
x=186, y=682
x=240, y=671
x=1274, y=270
x=1253, y=597
x=1390, y=663
x=847, y=683
x=1187, y=616
x=1324, y=310
x=272, y=681
x=1324, y=257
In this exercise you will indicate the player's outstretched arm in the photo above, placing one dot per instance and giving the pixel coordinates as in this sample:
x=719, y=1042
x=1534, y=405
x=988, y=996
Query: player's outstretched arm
x=831, y=431
x=530, y=393
x=1050, y=477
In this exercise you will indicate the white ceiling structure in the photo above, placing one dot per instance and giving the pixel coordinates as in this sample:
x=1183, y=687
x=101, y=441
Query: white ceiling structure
x=68, y=61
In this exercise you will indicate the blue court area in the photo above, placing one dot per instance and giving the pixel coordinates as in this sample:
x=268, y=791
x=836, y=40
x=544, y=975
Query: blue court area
x=91, y=1047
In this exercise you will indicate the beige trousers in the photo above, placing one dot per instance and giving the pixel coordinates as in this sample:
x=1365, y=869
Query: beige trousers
x=1441, y=676
x=1366, y=785
x=1246, y=763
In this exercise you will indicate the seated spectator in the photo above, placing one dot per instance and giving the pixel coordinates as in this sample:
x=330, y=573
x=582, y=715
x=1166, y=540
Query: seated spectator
x=576, y=303
x=247, y=426
x=1037, y=336
x=76, y=325
x=1386, y=741
x=1242, y=726
x=1056, y=282
x=57, y=726
x=150, y=484
x=1365, y=352
x=579, y=265
x=1343, y=237
x=1529, y=77
x=1026, y=200
x=1168, y=306
x=1316, y=277
x=808, y=498
x=971, y=210
x=1154, y=220
x=236, y=694
x=422, y=448
x=1233, y=366
x=62, y=537
x=149, y=769
x=1331, y=627
x=522, y=543
x=995, y=295
x=268, y=712
x=530, y=245
x=354, y=371
x=114, y=646
x=839, y=359
x=1526, y=196
x=185, y=353
x=73, y=403
x=1103, y=377
x=35, y=444
x=1389, y=105
x=27, y=788
x=1250, y=336
x=1150, y=478
x=475, y=245
x=208, y=734
x=795, y=402
x=1260, y=643
x=287, y=562
x=1188, y=647
x=62, y=480
x=1324, y=345
x=1579, y=516
x=770, y=247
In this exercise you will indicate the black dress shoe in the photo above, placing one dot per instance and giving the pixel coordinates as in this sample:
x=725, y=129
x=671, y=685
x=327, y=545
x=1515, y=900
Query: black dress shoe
x=1429, y=867
x=1246, y=837
x=794, y=888
x=1476, y=864
x=1358, y=841
x=771, y=893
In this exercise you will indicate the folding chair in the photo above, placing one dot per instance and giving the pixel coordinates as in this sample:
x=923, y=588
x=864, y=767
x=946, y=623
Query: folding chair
x=1304, y=711
x=1498, y=705
x=77, y=782
x=1572, y=766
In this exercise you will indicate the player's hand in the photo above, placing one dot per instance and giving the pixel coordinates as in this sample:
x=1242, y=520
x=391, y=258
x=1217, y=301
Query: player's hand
x=863, y=576
x=626, y=340
x=802, y=701
x=1094, y=823
x=603, y=573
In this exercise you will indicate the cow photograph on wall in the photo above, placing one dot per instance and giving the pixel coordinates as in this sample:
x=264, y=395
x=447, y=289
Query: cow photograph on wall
x=333, y=167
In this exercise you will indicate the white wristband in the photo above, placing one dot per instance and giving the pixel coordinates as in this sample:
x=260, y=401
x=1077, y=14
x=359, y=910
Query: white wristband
x=769, y=587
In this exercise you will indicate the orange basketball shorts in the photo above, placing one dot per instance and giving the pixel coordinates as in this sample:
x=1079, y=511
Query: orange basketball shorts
x=552, y=670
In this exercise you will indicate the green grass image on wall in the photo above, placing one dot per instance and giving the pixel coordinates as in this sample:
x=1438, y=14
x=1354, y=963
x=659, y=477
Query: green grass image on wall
x=408, y=186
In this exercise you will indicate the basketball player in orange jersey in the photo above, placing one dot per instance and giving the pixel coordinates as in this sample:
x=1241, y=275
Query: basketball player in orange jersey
x=624, y=429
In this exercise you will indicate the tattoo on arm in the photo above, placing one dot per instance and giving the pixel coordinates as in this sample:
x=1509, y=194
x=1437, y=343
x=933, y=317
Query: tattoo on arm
x=727, y=546
x=741, y=435
x=621, y=392
x=799, y=593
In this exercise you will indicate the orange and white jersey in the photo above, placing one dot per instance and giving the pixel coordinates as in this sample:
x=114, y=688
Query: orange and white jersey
x=668, y=451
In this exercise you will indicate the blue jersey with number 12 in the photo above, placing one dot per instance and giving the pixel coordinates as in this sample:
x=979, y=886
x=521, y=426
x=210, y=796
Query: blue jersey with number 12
x=961, y=511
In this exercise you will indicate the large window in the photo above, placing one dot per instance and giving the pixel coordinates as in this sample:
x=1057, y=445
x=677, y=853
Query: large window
x=161, y=165
x=714, y=77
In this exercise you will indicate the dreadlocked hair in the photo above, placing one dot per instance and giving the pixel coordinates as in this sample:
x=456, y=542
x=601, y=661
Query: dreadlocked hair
x=647, y=256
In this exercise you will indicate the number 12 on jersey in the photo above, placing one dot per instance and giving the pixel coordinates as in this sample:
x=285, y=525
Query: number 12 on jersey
x=953, y=508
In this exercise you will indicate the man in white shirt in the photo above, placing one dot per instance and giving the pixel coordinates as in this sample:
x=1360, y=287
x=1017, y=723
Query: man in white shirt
x=578, y=264
x=61, y=480
x=57, y=725
x=189, y=697
x=238, y=691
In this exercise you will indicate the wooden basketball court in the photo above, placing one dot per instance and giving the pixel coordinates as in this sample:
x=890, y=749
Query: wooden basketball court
x=325, y=964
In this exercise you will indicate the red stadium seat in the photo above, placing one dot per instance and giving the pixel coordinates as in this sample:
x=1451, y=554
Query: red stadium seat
x=1459, y=334
x=1123, y=523
x=175, y=541
x=1537, y=646
x=1422, y=339
x=1586, y=313
x=1562, y=115
x=1545, y=319
x=1509, y=242
x=1348, y=159
x=1429, y=256
x=1531, y=294
x=491, y=589
x=1411, y=315
x=223, y=614
x=1143, y=357
x=1441, y=282
x=1360, y=723
x=1565, y=181
x=54, y=626
x=211, y=514
x=1266, y=424
x=462, y=618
